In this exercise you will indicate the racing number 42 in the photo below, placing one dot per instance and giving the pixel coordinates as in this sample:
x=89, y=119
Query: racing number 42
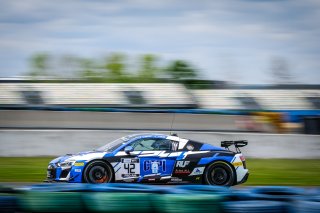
x=130, y=167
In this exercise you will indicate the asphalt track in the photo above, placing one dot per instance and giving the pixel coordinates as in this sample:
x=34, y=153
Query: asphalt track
x=58, y=142
x=20, y=119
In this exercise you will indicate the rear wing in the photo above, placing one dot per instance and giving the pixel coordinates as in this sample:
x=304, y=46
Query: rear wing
x=237, y=144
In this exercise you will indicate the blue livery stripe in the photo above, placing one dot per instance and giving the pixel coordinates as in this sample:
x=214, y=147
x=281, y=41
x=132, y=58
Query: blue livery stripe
x=207, y=160
x=180, y=157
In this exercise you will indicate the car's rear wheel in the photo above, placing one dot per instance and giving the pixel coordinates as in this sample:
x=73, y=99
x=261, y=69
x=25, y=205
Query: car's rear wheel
x=219, y=173
x=98, y=172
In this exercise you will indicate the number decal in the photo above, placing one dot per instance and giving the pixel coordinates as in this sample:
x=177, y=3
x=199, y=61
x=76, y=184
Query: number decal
x=130, y=168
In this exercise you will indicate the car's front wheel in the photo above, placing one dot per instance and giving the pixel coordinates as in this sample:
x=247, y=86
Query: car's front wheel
x=98, y=172
x=219, y=173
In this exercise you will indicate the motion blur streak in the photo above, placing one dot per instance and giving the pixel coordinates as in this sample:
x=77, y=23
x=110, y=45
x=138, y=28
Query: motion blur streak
x=142, y=198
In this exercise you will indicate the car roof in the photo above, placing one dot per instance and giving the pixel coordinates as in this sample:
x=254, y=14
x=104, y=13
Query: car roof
x=145, y=134
x=156, y=135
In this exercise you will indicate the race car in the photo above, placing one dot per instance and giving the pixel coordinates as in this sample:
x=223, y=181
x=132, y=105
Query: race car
x=154, y=158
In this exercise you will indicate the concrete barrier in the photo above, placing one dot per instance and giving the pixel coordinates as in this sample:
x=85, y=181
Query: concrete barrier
x=59, y=142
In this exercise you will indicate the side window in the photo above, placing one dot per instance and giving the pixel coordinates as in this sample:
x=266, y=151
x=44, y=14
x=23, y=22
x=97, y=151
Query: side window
x=152, y=144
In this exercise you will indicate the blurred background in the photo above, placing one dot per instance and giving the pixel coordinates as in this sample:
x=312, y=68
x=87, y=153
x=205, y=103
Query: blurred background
x=75, y=75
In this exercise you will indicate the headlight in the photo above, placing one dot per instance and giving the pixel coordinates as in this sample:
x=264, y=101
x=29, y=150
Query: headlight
x=67, y=163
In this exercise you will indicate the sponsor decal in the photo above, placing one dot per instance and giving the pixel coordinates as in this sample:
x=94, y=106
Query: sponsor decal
x=190, y=147
x=77, y=170
x=128, y=180
x=79, y=164
x=130, y=175
x=174, y=179
x=175, y=146
x=197, y=171
x=182, y=171
x=237, y=163
x=154, y=166
x=130, y=160
x=182, y=164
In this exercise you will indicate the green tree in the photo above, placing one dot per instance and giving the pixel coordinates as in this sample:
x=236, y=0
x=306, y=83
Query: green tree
x=39, y=64
x=115, y=65
x=148, y=68
x=88, y=69
x=179, y=69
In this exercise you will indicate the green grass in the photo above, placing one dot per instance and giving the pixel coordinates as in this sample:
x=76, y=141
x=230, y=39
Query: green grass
x=26, y=169
x=262, y=171
x=293, y=172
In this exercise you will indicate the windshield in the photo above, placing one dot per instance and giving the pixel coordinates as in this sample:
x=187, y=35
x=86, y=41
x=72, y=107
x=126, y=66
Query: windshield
x=110, y=147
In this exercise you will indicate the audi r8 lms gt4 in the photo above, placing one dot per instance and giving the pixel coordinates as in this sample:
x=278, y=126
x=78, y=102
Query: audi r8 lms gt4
x=153, y=158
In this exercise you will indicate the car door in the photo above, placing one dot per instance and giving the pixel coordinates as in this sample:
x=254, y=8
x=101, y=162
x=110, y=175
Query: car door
x=157, y=158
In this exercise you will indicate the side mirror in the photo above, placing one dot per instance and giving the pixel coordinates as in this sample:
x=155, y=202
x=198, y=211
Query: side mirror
x=128, y=149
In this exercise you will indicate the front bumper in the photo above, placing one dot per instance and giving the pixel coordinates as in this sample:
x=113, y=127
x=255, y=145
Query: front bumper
x=62, y=174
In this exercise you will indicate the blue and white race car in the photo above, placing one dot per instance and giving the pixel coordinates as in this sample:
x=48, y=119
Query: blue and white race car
x=154, y=158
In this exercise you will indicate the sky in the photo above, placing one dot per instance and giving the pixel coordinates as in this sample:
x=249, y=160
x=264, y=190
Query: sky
x=233, y=40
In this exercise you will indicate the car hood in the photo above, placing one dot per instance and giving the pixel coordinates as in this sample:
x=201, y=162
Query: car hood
x=81, y=156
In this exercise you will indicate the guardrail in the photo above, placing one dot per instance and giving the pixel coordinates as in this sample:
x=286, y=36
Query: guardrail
x=148, y=198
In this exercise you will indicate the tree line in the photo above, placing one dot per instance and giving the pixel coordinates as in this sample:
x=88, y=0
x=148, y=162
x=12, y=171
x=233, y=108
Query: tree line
x=115, y=67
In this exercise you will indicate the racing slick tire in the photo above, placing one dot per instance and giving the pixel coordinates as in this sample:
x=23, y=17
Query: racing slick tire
x=219, y=173
x=98, y=172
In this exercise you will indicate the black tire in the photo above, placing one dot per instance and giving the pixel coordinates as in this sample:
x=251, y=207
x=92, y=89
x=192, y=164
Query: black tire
x=98, y=172
x=219, y=173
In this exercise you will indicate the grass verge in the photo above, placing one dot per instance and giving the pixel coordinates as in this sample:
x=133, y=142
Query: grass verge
x=290, y=172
